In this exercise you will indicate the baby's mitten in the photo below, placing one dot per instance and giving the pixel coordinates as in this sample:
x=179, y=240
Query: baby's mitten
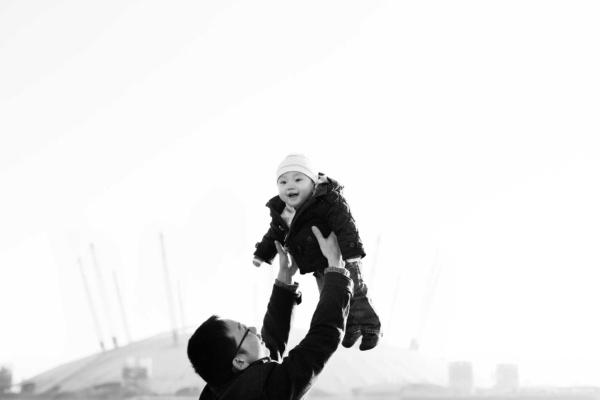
x=257, y=262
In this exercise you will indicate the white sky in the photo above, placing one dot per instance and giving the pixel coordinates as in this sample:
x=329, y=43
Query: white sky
x=469, y=129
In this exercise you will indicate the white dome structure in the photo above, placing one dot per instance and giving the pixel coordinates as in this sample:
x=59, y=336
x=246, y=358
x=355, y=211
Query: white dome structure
x=159, y=366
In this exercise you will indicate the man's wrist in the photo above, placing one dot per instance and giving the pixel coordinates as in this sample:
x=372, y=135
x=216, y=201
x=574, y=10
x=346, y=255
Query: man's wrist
x=336, y=262
x=284, y=277
x=292, y=287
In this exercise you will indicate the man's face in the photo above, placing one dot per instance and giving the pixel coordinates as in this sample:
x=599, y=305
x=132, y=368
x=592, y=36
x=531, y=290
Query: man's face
x=253, y=348
x=294, y=188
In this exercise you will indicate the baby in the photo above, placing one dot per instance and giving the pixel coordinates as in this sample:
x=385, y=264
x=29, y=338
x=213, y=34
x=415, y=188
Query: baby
x=308, y=198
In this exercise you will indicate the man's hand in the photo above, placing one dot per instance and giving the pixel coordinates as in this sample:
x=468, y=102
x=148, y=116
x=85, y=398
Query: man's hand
x=287, y=265
x=329, y=248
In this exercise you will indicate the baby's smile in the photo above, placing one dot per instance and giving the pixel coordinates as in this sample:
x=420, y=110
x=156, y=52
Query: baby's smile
x=295, y=188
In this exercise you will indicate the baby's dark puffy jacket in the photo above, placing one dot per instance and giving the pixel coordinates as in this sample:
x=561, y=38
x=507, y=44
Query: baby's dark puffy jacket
x=328, y=210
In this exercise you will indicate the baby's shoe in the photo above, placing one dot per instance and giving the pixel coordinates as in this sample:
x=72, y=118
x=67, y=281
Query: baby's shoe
x=350, y=337
x=369, y=340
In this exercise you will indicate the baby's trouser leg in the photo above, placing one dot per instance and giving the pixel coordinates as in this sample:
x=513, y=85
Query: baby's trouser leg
x=362, y=319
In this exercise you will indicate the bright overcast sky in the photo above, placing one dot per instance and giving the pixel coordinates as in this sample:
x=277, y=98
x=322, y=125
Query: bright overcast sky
x=466, y=135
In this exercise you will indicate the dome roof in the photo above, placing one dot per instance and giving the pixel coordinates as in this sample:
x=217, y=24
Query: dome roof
x=159, y=365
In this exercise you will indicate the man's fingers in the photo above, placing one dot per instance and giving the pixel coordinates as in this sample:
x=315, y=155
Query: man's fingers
x=320, y=236
x=317, y=233
x=279, y=248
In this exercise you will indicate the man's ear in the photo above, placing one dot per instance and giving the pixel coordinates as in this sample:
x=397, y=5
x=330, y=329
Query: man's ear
x=240, y=362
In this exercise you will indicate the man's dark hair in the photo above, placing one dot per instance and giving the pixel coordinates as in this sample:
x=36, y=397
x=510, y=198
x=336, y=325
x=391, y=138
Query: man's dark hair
x=211, y=350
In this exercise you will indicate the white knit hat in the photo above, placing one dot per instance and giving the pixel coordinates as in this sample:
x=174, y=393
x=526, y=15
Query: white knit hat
x=299, y=163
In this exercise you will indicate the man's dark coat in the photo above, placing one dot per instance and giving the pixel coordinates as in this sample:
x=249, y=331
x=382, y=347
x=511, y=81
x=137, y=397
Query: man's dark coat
x=291, y=377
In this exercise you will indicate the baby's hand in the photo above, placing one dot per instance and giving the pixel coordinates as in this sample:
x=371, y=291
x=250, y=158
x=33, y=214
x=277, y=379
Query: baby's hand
x=256, y=262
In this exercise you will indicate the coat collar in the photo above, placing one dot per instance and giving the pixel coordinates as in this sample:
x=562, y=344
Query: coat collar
x=210, y=393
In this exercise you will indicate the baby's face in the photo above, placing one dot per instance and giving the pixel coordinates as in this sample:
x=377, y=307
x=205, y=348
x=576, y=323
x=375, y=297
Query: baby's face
x=295, y=188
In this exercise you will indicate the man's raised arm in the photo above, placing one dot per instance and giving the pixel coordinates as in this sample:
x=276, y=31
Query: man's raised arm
x=285, y=296
x=299, y=370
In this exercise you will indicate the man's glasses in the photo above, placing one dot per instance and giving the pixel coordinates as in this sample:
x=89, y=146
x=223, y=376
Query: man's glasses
x=242, y=341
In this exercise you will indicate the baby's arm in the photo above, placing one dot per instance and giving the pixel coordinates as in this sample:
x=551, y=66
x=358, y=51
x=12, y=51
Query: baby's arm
x=339, y=218
x=265, y=249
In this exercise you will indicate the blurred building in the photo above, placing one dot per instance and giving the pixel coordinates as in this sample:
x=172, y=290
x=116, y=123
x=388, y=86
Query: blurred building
x=460, y=376
x=507, y=377
x=5, y=379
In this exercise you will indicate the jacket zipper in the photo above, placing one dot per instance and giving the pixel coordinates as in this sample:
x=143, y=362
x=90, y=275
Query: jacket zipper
x=300, y=211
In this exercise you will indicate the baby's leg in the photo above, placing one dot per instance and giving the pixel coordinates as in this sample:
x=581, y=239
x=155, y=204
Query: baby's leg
x=363, y=319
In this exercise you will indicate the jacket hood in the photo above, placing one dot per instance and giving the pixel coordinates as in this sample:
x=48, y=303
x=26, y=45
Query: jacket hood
x=326, y=184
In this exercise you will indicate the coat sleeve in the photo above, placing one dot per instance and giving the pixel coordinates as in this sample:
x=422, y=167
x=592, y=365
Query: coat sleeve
x=299, y=370
x=278, y=318
x=206, y=393
x=339, y=218
x=265, y=249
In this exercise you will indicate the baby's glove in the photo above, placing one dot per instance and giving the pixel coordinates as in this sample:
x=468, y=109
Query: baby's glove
x=257, y=262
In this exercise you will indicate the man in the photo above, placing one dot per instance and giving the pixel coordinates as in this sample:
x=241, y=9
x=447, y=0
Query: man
x=238, y=363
